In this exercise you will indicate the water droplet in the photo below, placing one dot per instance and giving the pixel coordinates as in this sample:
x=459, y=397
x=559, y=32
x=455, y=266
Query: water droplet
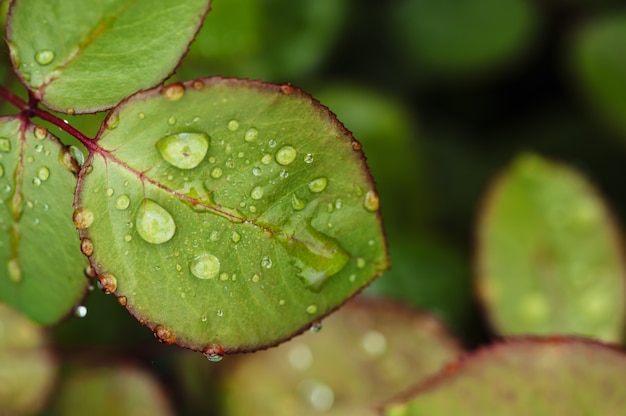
x=233, y=125
x=300, y=357
x=171, y=121
x=36, y=181
x=108, y=282
x=317, y=257
x=235, y=237
x=256, y=171
x=110, y=191
x=272, y=143
x=251, y=135
x=86, y=247
x=122, y=300
x=215, y=353
x=40, y=132
x=112, y=122
x=316, y=326
x=220, y=313
x=252, y=208
x=311, y=309
x=266, y=159
x=82, y=218
x=165, y=335
x=198, y=84
x=68, y=160
x=266, y=262
x=318, y=185
x=287, y=89
x=356, y=145
x=216, y=172
x=205, y=266
x=371, y=201
x=360, y=262
x=154, y=224
x=256, y=193
x=256, y=278
x=80, y=311
x=79, y=156
x=297, y=203
x=15, y=271
x=173, y=92
x=184, y=150
x=141, y=116
x=43, y=173
x=128, y=238
x=214, y=236
x=285, y=155
x=44, y=57
x=5, y=145
x=374, y=343
x=122, y=202
x=14, y=54
x=308, y=158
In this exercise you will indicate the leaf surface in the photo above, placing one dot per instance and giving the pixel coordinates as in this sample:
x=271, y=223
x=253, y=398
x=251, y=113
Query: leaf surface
x=41, y=267
x=549, y=255
x=524, y=377
x=84, y=59
x=229, y=214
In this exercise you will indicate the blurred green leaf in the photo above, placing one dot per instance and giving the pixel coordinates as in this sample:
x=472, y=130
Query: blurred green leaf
x=364, y=354
x=549, y=255
x=556, y=377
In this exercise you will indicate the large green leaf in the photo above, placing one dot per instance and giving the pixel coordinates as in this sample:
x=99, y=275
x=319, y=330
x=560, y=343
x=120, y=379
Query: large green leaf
x=83, y=58
x=365, y=354
x=228, y=215
x=549, y=255
x=550, y=377
x=27, y=369
x=41, y=272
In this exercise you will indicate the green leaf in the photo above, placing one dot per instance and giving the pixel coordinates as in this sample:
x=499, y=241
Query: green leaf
x=524, y=377
x=549, y=255
x=27, y=369
x=41, y=267
x=229, y=214
x=79, y=59
x=601, y=71
x=116, y=390
x=452, y=37
x=364, y=354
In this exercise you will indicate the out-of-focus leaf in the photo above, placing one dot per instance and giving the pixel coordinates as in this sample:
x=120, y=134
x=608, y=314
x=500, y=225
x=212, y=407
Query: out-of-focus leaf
x=549, y=255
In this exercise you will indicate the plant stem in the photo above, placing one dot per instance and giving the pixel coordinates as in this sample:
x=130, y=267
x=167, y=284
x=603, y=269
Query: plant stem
x=31, y=110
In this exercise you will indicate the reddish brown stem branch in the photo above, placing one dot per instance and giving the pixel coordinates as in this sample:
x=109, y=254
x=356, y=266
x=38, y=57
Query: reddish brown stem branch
x=31, y=110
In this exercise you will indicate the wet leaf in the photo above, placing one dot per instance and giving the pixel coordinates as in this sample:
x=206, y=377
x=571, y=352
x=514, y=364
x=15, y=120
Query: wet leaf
x=27, y=370
x=115, y=390
x=229, y=214
x=364, y=354
x=549, y=255
x=84, y=59
x=524, y=377
x=41, y=267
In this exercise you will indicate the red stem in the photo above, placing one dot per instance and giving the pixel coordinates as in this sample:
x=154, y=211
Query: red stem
x=31, y=110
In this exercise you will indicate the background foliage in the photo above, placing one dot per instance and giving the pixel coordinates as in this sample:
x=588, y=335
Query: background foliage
x=443, y=95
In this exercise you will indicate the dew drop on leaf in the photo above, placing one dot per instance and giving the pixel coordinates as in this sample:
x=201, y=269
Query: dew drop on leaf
x=266, y=262
x=164, y=335
x=122, y=300
x=122, y=202
x=173, y=92
x=236, y=237
x=5, y=145
x=256, y=193
x=308, y=158
x=297, y=203
x=80, y=311
x=40, y=132
x=233, y=125
x=316, y=326
x=171, y=121
x=216, y=172
x=215, y=353
x=86, y=247
x=108, y=282
x=205, y=266
x=311, y=309
x=318, y=185
x=371, y=201
x=184, y=150
x=251, y=135
x=44, y=56
x=154, y=224
x=43, y=173
x=285, y=155
x=79, y=156
x=82, y=218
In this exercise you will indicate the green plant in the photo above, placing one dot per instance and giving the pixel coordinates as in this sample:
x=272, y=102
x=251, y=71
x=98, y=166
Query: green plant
x=229, y=215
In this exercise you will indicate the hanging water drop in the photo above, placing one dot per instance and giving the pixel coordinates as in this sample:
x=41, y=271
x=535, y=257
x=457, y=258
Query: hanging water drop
x=44, y=57
x=154, y=224
x=184, y=150
x=82, y=218
x=164, y=334
x=285, y=155
x=318, y=185
x=86, y=247
x=371, y=201
x=316, y=326
x=215, y=353
x=122, y=202
x=205, y=266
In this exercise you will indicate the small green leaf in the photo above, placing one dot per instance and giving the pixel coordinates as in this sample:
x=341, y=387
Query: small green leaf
x=549, y=255
x=79, y=59
x=363, y=355
x=41, y=267
x=230, y=217
x=27, y=369
x=117, y=390
x=573, y=377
